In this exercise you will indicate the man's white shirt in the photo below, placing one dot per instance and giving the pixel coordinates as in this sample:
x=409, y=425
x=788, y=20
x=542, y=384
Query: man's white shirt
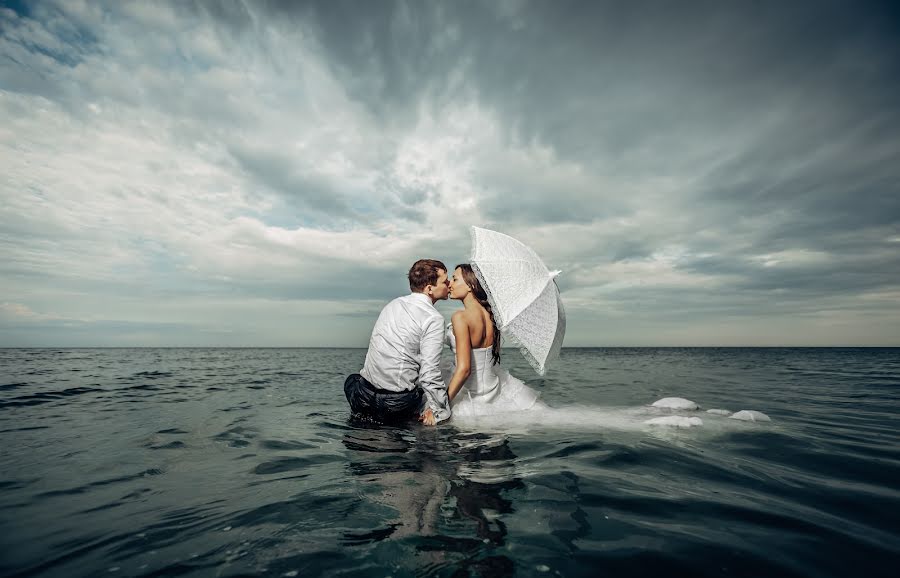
x=405, y=351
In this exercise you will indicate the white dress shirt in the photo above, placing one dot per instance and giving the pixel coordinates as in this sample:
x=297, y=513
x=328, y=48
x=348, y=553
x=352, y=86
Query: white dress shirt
x=405, y=351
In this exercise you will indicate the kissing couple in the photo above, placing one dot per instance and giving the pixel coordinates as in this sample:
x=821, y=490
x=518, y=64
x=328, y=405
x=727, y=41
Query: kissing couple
x=402, y=378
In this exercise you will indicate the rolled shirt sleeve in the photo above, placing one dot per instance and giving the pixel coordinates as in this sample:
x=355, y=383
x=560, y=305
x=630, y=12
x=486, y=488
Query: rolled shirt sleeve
x=430, y=378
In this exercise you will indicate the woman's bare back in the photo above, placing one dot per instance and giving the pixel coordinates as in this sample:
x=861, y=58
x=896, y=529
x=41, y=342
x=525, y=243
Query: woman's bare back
x=481, y=330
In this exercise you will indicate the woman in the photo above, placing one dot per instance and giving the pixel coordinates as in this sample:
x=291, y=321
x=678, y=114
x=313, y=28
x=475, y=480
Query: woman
x=479, y=385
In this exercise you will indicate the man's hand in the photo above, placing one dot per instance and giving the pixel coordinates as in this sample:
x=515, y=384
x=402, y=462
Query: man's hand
x=427, y=418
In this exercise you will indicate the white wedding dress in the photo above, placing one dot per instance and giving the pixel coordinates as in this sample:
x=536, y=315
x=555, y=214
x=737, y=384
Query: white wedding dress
x=490, y=389
x=493, y=400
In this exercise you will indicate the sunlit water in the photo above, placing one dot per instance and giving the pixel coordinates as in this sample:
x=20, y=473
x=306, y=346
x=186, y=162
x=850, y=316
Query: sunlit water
x=227, y=462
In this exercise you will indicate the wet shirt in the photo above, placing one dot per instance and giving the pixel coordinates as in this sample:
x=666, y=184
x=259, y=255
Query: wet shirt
x=405, y=351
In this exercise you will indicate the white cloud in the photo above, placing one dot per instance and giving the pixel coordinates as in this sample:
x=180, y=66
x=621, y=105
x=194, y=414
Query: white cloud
x=160, y=164
x=792, y=257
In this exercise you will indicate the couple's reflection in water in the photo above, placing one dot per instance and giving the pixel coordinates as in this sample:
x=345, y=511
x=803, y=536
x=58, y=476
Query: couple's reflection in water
x=437, y=490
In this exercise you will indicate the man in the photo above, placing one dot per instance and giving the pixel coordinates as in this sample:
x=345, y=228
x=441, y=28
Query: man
x=401, y=378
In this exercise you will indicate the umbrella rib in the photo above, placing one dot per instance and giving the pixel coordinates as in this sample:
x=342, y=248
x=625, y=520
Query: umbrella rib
x=508, y=321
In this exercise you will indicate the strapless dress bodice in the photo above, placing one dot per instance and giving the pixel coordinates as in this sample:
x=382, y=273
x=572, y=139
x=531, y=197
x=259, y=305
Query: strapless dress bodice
x=483, y=381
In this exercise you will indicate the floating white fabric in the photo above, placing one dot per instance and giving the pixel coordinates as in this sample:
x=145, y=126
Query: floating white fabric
x=675, y=421
x=675, y=403
x=751, y=415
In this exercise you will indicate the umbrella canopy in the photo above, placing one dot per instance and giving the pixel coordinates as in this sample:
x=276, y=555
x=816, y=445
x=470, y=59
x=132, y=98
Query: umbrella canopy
x=522, y=293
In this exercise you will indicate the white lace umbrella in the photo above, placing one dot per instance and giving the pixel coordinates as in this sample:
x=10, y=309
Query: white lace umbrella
x=522, y=293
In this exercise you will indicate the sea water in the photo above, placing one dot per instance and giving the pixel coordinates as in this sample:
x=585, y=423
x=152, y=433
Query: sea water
x=244, y=462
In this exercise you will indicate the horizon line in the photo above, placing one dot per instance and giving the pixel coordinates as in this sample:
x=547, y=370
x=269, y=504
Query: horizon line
x=511, y=348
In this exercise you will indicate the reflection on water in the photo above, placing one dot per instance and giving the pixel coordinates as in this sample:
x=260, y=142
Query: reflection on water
x=434, y=484
x=487, y=472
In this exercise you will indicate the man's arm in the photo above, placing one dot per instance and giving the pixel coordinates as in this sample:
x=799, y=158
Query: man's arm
x=430, y=372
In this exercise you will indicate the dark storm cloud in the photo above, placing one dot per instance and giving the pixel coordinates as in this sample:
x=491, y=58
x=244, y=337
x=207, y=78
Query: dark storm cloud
x=656, y=89
x=280, y=172
x=604, y=80
x=847, y=275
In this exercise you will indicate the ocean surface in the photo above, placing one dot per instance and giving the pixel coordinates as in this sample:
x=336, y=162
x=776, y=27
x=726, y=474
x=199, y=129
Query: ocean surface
x=244, y=462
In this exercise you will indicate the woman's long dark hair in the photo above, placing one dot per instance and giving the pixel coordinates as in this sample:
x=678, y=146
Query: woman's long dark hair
x=478, y=291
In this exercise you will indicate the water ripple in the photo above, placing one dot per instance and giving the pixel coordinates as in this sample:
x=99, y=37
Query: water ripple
x=159, y=462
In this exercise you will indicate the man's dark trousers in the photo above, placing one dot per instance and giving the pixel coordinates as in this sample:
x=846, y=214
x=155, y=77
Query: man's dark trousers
x=381, y=405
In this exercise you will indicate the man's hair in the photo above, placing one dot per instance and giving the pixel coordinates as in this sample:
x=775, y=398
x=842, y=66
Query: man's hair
x=424, y=272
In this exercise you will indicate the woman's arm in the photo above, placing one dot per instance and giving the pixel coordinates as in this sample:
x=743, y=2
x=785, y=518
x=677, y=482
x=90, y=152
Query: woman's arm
x=463, y=354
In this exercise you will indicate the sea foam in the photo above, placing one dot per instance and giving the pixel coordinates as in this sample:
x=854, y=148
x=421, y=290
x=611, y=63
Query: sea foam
x=724, y=412
x=675, y=421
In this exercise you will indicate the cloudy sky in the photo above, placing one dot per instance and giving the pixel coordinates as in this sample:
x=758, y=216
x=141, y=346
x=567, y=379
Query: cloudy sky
x=264, y=173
